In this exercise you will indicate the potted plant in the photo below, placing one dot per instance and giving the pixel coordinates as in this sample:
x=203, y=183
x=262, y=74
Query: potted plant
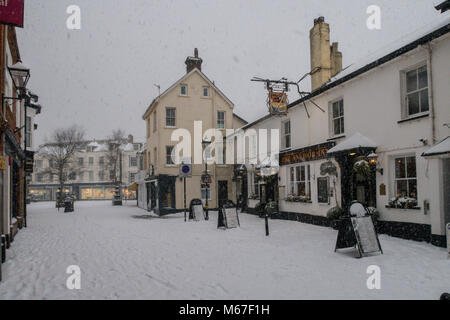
x=334, y=214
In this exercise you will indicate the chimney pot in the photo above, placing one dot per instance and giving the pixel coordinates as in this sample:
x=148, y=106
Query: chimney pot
x=194, y=62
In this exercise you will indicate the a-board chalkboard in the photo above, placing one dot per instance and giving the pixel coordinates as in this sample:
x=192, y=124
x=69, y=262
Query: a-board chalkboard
x=360, y=232
x=366, y=235
x=231, y=218
x=198, y=212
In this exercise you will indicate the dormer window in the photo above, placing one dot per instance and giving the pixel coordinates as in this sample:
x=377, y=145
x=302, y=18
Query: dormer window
x=183, y=90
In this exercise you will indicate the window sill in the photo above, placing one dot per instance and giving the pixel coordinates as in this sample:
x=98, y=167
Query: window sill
x=171, y=166
x=170, y=127
x=416, y=117
x=336, y=137
x=399, y=208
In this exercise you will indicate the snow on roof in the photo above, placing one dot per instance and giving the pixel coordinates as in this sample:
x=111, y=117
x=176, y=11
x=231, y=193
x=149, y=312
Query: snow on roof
x=93, y=144
x=127, y=147
x=442, y=147
x=355, y=141
x=102, y=148
x=391, y=47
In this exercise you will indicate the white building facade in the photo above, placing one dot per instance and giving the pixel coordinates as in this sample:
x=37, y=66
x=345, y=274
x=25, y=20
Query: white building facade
x=393, y=110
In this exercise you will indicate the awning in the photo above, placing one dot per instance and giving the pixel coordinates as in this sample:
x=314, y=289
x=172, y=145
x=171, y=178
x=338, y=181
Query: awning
x=133, y=187
x=356, y=141
x=438, y=149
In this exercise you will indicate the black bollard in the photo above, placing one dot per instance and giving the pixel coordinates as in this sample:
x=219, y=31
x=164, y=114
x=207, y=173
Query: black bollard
x=445, y=296
x=266, y=217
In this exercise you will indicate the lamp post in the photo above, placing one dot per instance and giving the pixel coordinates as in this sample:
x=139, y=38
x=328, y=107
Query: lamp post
x=205, y=144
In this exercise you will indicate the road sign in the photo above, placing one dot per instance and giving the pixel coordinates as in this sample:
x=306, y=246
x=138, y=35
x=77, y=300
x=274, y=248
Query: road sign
x=185, y=171
x=206, y=178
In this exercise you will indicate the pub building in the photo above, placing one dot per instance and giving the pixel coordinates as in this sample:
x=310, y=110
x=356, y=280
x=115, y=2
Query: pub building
x=376, y=133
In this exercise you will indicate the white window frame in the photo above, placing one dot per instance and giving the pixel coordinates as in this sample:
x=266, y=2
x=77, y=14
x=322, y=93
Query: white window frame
x=181, y=90
x=340, y=116
x=405, y=94
x=203, y=92
x=167, y=156
x=174, y=118
x=219, y=120
x=285, y=135
x=406, y=178
x=294, y=183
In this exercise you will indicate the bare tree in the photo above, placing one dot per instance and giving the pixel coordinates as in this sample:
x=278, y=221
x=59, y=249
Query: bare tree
x=112, y=164
x=60, y=151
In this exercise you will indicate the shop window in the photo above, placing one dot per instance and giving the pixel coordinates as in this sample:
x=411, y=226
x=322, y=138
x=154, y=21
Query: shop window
x=337, y=117
x=287, y=134
x=299, y=183
x=415, y=91
x=405, y=177
x=322, y=190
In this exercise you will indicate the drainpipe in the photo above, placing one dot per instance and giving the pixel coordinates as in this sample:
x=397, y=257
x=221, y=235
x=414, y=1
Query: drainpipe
x=431, y=96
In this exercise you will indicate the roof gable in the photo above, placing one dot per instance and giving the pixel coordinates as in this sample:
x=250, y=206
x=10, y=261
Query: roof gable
x=180, y=81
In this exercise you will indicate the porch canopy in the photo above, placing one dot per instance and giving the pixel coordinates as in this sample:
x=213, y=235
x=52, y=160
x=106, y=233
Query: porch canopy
x=356, y=142
x=440, y=149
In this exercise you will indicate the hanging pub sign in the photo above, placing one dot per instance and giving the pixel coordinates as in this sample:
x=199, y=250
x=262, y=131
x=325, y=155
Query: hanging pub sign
x=12, y=12
x=277, y=102
x=311, y=153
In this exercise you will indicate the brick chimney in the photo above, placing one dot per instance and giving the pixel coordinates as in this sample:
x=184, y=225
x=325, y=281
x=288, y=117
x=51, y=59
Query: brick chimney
x=194, y=62
x=326, y=60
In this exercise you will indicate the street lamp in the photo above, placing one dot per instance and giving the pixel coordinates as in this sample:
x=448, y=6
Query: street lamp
x=20, y=75
x=205, y=145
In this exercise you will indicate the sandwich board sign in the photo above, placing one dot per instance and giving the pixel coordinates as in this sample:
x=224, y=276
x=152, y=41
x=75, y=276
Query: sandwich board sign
x=358, y=230
x=231, y=218
x=198, y=212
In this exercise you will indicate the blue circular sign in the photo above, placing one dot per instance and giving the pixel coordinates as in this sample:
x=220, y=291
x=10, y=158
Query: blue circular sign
x=185, y=169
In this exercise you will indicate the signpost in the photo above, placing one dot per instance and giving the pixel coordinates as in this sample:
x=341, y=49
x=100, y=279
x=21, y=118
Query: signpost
x=12, y=12
x=185, y=171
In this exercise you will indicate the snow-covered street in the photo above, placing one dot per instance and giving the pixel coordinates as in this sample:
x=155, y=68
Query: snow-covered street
x=124, y=253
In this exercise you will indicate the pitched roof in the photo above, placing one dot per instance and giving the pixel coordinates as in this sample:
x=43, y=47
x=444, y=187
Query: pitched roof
x=187, y=75
x=351, y=73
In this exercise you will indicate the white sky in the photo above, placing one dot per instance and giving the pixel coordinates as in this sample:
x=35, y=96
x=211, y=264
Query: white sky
x=102, y=76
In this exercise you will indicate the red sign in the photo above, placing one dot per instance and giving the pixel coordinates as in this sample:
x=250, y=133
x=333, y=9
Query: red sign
x=11, y=12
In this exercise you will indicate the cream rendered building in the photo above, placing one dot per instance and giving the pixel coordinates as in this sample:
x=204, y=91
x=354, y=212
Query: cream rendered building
x=192, y=98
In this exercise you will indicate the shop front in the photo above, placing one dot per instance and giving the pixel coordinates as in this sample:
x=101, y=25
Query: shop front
x=308, y=184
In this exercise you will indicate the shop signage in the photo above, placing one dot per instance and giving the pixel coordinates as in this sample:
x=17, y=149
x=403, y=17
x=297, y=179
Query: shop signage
x=311, y=153
x=277, y=102
x=11, y=12
x=2, y=163
x=29, y=161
